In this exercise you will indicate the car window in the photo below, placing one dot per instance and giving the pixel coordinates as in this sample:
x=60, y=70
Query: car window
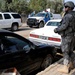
x=7, y=16
x=16, y=15
x=58, y=23
x=1, y=16
x=53, y=23
x=13, y=44
x=16, y=41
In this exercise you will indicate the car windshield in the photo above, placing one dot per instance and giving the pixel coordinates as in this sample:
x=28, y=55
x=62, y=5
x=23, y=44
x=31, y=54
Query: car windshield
x=53, y=24
x=40, y=14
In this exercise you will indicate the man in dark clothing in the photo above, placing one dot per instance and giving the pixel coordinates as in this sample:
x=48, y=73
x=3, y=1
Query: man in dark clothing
x=67, y=35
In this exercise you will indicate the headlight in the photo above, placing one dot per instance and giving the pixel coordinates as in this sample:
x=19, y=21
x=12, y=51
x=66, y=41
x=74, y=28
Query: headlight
x=37, y=20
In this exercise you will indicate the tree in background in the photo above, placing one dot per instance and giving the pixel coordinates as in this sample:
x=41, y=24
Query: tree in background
x=8, y=1
x=37, y=5
x=28, y=6
x=55, y=5
x=19, y=6
x=3, y=6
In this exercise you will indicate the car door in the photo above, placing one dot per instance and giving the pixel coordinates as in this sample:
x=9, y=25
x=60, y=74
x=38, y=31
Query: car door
x=14, y=55
x=29, y=56
x=7, y=20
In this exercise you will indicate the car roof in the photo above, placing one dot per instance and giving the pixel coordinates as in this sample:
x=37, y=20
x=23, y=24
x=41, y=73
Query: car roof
x=2, y=30
x=5, y=31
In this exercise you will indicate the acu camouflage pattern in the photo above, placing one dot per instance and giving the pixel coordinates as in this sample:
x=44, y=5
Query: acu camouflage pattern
x=66, y=30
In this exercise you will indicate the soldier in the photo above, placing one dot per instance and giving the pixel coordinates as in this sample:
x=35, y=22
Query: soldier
x=67, y=35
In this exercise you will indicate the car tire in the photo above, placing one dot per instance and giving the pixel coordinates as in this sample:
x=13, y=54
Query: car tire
x=47, y=61
x=41, y=24
x=14, y=27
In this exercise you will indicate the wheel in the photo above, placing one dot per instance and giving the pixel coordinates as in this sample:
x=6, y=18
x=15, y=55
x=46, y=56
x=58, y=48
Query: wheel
x=47, y=61
x=41, y=24
x=14, y=27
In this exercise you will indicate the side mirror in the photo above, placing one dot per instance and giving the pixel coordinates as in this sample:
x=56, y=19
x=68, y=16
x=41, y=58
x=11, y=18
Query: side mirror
x=26, y=48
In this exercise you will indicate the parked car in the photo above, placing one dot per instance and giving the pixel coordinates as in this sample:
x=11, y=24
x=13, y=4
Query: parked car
x=39, y=19
x=17, y=51
x=46, y=34
x=10, y=20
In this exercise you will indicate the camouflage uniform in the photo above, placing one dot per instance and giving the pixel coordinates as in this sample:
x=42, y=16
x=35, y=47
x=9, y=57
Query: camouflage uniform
x=67, y=35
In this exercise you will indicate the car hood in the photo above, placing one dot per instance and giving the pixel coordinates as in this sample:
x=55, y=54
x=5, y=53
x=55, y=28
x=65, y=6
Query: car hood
x=36, y=17
x=46, y=31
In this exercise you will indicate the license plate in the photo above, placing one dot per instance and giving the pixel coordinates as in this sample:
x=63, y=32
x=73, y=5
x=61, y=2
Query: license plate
x=43, y=37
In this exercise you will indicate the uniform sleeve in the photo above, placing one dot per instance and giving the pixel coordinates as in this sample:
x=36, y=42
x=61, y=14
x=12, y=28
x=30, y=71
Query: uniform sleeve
x=65, y=23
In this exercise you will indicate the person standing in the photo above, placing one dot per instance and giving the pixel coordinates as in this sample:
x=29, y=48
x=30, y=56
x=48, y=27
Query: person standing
x=67, y=34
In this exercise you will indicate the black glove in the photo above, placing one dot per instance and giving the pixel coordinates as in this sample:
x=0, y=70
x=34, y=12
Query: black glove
x=56, y=30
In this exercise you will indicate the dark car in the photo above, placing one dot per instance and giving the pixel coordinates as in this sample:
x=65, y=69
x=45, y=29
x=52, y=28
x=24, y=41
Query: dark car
x=17, y=51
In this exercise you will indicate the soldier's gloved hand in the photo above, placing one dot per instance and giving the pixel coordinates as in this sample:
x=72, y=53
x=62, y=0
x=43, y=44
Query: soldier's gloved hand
x=55, y=30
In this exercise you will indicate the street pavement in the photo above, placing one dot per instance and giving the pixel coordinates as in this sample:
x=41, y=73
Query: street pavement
x=24, y=30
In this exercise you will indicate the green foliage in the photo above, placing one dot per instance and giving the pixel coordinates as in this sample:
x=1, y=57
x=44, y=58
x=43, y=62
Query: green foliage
x=3, y=6
x=37, y=5
x=18, y=6
x=28, y=6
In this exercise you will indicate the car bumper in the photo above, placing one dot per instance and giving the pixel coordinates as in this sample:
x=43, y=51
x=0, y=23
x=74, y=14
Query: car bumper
x=39, y=41
x=32, y=23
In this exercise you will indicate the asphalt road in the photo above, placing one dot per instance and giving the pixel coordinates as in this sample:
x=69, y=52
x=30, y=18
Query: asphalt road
x=24, y=30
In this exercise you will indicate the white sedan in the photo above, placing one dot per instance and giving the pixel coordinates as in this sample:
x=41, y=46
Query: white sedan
x=46, y=34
